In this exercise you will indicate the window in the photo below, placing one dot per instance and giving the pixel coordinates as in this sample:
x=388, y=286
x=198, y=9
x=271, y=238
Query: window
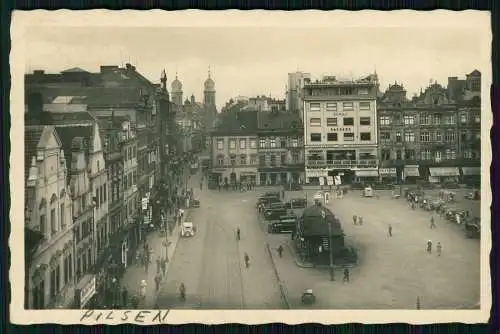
x=331, y=121
x=348, y=136
x=316, y=137
x=233, y=160
x=437, y=119
x=283, y=158
x=272, y=159
x=220, y=160
x=39, y=295
x=262, y=143
x=398, y=136
x=439, y=136
x=363, y=91
x=331, y=106
x=53, y=223
x=366, y=136
x=410, y=154
x=477, y=119
x=253, y=143
x=220, y=144
x=438, y=156
x=346, y=91
x=398, y=155
x=348, y=121
x=409, y=120
x=262, y=160
x=385, y=120
x=53, y=283
x=449, y=119
x=315, y=107
x=450, y=154
x=283, y=143
x=43, y=225
x=315, y=121
x=348, y=106
x=243, y=159
x=295, y=157
x=253, y=160
x=364, y=106
x=232, y=144
x=449, y=136
x=105, y=191
x=385, y=136
x=386, y=155
x=409, y=137
x=332, y=136
x=424, y=119
x=425, y=154
x=61, y=215
x=425, y=136
x=364, y=121
x=273, y=142
x=243, y=144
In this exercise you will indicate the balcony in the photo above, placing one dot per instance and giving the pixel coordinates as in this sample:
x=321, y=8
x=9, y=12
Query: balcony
x=343, y=164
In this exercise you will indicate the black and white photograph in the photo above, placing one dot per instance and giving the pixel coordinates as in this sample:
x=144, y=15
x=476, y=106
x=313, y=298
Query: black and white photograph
x=327, y=161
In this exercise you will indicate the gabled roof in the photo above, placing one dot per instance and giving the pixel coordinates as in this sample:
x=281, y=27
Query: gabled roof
x=70, y=132
x=279, y=120
x=475, y=73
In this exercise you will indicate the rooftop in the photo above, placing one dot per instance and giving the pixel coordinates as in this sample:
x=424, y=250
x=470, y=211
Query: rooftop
x=279, y=120
x=235, y=120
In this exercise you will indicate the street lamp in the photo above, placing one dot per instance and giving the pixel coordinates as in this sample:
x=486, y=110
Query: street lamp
x=323, y=215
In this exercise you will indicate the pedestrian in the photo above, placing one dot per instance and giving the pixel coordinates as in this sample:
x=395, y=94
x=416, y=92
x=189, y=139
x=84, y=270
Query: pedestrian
x=157, y=282
x=125, y=297
x=238, y=233
x=280, y=251
x=158, y=264
x=355, y=219
x=247, y=260
x=433, y=224
x=390, y=230
x=282, y=195
x=201, y=185
x=143, y=287
x=146, y=263
x=346, y=275
x=360, y=220
x=163, y=265
x=429, y=246
x=439, y=248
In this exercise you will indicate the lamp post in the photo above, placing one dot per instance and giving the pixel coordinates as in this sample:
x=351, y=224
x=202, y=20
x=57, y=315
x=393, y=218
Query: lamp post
x=323, y=215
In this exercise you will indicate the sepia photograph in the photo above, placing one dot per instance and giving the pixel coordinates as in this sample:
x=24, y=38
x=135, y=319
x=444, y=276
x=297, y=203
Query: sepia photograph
x=207, y=162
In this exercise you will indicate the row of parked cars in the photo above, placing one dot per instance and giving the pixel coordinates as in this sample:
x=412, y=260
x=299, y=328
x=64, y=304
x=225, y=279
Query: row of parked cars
x=279, y=214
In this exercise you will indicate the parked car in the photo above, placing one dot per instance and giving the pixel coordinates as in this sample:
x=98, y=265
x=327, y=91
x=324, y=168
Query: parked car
x=266, y=200
x=382, y=186
x=293, y=187
x=473, y=228
x=296, y=203
x=275, y=214
x=287, y=224
x=187, y=229
x=357, y=186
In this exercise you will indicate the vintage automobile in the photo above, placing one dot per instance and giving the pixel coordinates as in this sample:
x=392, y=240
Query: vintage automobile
x=285, y=224
x=187, y=229
x=368, y=192
x=194, y=203
x=473, y=228
x=275, y=214
x=267, y=200
x=308, y=297
x=296, y=203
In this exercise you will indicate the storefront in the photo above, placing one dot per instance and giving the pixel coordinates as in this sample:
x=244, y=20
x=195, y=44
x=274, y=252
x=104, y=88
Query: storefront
x=411, y=173
x=248, y=177
x=85, y=291
x=471, y=176
x=215, y=179
x=313, y=175
x=366, y=175
x=444, y=174
x=388, y=175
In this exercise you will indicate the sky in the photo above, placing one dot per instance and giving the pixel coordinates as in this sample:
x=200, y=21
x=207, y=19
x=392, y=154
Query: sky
x=252, y=61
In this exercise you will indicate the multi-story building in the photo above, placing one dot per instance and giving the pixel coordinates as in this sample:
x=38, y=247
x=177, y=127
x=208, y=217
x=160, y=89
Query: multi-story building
x=430, y=137
x=340, y=129
x=49, y=239
x=281, y=148
x=234, y=148
x=294, y=94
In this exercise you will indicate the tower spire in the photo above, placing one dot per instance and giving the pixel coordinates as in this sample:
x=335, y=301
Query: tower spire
x=209, y=72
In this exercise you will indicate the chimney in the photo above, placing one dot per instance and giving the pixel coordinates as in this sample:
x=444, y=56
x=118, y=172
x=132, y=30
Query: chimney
x=128, y=66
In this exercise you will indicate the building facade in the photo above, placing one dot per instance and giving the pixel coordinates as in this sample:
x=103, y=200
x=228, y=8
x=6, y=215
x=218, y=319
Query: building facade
x=294, y=94
x=234, y=149
x=281, y=148
x=50, y=267
x=340, y=129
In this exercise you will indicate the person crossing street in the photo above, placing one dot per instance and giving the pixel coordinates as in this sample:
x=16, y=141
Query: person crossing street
x=280, y=251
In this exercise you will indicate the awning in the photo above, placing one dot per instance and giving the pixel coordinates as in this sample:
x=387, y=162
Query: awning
x=444, y=171
x=411, y=171
x=316, y=173
x=471, y=170
x=367, y=173
x=387, y=171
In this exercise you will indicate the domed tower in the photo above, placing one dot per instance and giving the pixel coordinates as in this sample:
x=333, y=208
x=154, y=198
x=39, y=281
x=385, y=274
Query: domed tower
x=177, y=91
x=209, y=91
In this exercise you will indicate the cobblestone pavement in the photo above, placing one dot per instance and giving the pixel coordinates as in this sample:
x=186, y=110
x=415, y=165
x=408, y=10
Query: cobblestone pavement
x=211, y=264
x=392, y=271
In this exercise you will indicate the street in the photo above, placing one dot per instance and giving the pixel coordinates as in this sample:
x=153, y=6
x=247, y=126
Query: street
x=392, y=271
x=211, y=264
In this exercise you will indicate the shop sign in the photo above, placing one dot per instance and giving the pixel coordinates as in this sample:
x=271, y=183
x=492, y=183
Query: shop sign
x=87, y=292
x=348, y=129
x=387, y=171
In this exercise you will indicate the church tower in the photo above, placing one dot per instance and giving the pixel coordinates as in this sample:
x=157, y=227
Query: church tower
x=209, y=91
x=177, y=91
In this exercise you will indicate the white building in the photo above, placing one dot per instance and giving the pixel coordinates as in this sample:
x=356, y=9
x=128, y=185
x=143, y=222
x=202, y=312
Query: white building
x=340, y=128
x=294, y=102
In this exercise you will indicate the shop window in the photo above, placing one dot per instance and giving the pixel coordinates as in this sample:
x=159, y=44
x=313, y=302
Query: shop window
x=365, y=136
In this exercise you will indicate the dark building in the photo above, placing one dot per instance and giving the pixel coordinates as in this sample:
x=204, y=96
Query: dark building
x=315, y=235
x=281, y=148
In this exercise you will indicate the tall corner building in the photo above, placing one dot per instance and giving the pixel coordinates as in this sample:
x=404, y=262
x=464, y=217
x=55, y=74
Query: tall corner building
x=340, y=129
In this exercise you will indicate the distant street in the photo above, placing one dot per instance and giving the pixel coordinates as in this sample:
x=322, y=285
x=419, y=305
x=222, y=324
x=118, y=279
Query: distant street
x=211, y=263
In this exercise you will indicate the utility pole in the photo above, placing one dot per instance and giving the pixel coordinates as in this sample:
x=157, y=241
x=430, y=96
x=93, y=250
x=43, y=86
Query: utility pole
x=323, y=215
